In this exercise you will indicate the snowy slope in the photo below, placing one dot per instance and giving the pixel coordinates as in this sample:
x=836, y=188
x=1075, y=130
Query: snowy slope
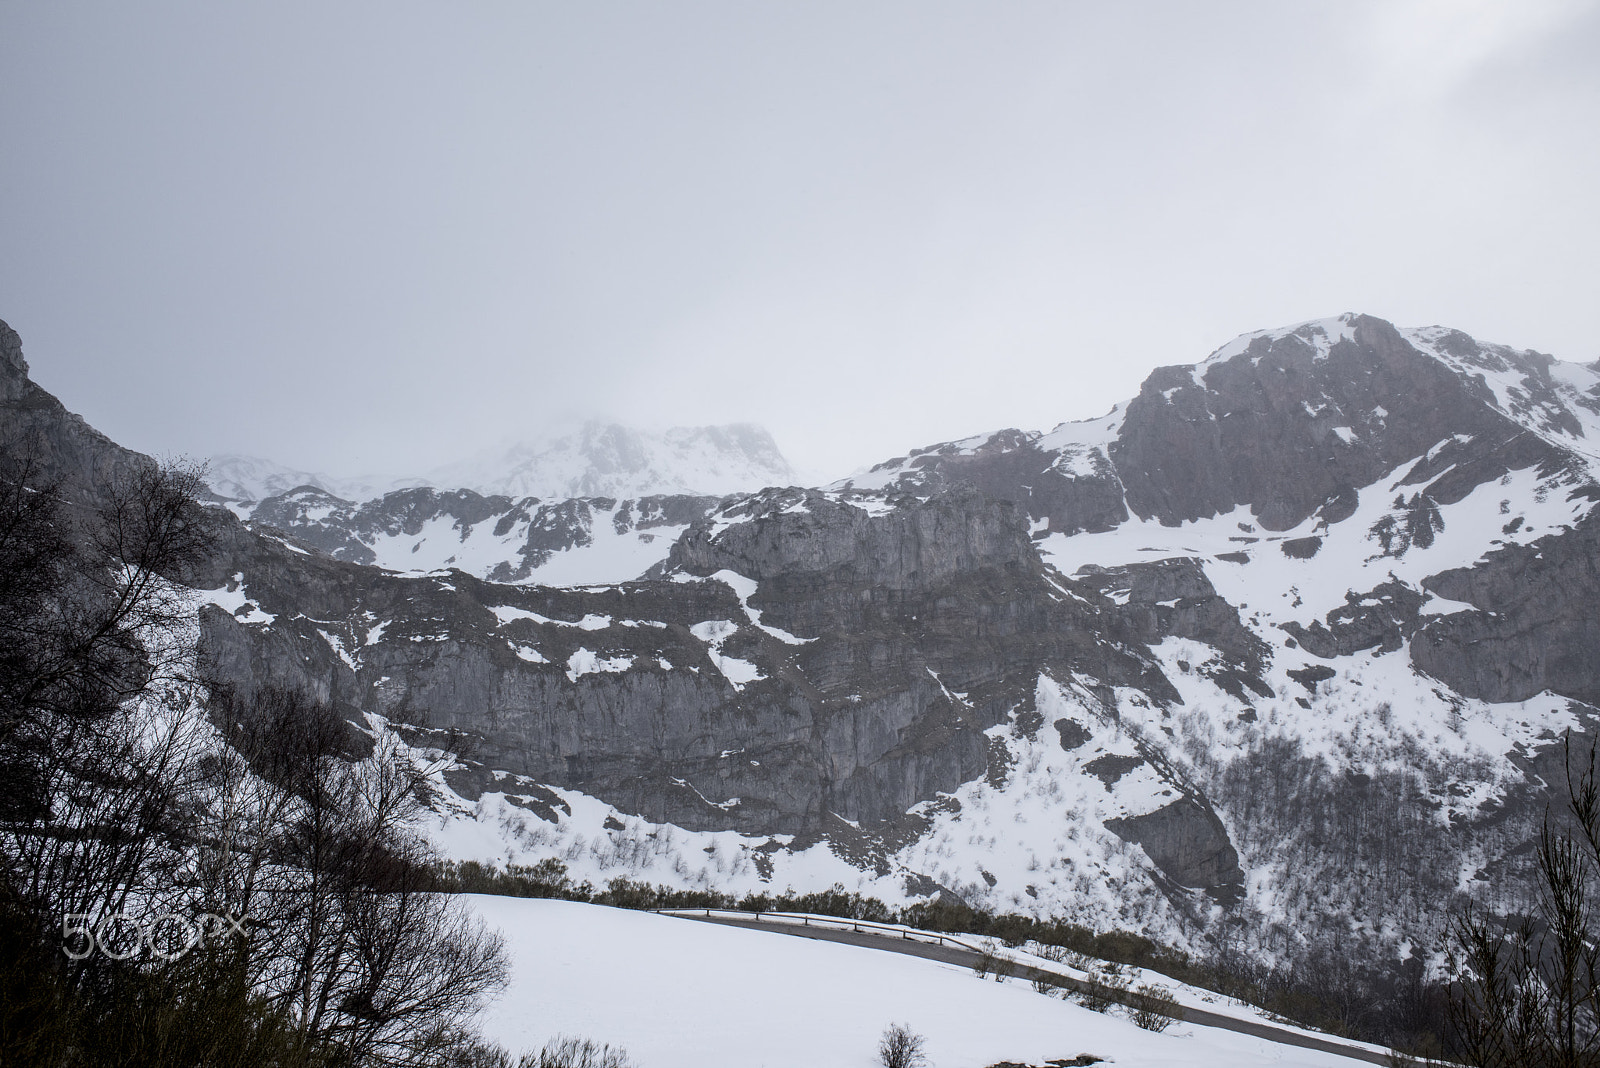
x=679, y=994
x=1556, y=399
x=608, y=549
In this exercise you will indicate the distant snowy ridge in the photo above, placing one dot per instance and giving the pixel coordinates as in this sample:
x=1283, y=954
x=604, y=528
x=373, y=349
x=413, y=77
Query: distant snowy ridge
x=596, y=460
x=610, y=460
x=253, y=478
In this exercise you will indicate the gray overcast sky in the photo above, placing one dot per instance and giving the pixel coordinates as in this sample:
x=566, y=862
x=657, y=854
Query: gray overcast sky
x=378, y=236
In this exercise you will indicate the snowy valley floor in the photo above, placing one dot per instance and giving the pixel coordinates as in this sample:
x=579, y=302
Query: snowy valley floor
x=679, y=994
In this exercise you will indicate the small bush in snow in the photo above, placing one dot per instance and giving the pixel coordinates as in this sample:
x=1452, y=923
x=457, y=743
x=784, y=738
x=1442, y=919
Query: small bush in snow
x=901, y=1047
x=1092, y=1000
x=1109, y=985
x=1153, y=1008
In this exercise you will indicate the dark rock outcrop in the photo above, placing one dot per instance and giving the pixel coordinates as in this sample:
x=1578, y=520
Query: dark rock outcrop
x=1536, y=628
x=1070, y=490
x=1174, y=597
x=1382, y=618
x=33, y=424
x=1259, y=429
x=1188, y=843
x=11, y=350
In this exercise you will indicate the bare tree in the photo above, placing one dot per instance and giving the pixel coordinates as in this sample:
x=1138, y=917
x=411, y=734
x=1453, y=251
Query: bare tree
x=901, y=1047
x=96, y=695
x=1527, y=991
x=313, y=841
x=121, y=804
x=102, y=749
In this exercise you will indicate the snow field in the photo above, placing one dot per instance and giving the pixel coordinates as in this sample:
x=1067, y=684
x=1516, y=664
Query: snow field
x=679, y=993
x=1040, y=835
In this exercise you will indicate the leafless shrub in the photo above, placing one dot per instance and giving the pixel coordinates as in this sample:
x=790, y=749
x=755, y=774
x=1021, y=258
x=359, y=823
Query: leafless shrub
x=1105, y=991
x=1153, y=1008
x=901, y=1047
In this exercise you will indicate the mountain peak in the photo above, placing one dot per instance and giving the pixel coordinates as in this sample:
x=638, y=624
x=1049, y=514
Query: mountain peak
x=602, y=459
x=1321, y=334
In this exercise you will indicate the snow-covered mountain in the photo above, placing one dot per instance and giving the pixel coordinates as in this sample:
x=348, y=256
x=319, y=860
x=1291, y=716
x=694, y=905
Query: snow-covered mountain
x=602, y=504
x=1275, y=659
x=595, y=460
x=248, y=479
x=610, y=460
x=1275, y=644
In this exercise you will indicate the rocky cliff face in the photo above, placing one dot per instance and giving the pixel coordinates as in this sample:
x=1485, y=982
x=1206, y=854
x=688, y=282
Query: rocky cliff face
x=11, y=350
x=1533, y=626
x=36, y=427
x=1297, y=423
x=1279, y=646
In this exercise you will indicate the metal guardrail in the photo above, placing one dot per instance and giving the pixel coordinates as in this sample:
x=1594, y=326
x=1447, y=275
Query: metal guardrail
x=806, y=919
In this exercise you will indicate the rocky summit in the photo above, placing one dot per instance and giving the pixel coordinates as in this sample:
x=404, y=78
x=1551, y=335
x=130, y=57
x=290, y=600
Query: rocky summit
x=1278, y=655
